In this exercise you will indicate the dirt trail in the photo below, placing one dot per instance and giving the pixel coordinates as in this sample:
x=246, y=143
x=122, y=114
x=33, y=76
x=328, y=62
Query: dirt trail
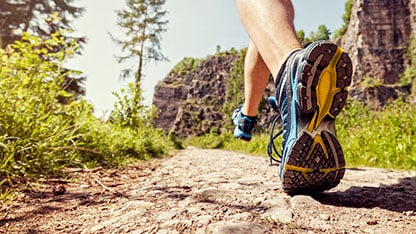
x=212, y=191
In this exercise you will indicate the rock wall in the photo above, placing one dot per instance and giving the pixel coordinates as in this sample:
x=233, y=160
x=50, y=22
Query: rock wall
x=378, y=37
x=191, y=104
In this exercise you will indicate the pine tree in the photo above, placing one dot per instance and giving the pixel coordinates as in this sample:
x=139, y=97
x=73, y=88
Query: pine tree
x=143, y=23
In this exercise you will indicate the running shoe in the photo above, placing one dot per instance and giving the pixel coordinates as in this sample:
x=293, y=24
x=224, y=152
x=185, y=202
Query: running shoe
x=311, y=91
x=243, y=125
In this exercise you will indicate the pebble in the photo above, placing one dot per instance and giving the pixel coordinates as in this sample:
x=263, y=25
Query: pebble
x=278, y=214
x=236, y=228
x=302, y=201
x=410, y=213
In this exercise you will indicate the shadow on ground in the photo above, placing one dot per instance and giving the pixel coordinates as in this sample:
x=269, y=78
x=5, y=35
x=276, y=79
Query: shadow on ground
x=399, y=197
x=43, y=203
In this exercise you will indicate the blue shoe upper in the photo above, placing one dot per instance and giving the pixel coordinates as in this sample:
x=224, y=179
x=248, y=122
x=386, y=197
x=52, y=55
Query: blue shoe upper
x=285, y=104
x=244, y=125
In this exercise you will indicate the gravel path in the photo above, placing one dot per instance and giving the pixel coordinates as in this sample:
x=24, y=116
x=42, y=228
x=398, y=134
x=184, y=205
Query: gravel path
x=211, y=191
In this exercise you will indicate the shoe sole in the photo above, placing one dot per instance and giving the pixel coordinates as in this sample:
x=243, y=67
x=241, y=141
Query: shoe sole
x=316, y=161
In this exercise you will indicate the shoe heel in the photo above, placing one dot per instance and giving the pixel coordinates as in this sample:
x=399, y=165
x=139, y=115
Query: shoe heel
x=326, y=74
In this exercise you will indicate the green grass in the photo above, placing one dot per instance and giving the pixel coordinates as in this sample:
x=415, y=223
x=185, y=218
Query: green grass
x=39, y=135
x=383, y=139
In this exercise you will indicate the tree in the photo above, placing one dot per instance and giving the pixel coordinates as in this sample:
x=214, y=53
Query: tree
x=301, y=35
x=346, y=17
x=42, y=18
x=38, y=17
x=322, y=33
x=143, y=22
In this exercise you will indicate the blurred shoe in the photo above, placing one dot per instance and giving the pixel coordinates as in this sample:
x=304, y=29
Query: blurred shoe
x=243, y=125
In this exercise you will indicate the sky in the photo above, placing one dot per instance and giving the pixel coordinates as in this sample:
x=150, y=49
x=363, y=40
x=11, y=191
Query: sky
x=195, y=29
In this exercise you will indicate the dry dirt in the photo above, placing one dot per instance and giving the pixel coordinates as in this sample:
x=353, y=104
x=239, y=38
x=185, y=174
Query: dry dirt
x=211, y=191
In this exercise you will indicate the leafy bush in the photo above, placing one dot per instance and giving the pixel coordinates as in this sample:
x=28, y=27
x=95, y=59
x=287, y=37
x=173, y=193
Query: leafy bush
x=40, y=135
x=346, y=18
x=130, y=110
x=322, y=33
x=185, y=65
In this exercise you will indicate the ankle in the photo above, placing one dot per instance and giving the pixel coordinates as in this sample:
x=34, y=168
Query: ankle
x=248, y=116
x=248, y=113
x=282, y=66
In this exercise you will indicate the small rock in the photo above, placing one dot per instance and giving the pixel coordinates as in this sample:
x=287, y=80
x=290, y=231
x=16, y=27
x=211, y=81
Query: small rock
x=203, y=219
x=325, y=217
x=241, y=216
x=318, y=224
x=236, y=228
x=258, y=201
x=372, y=222
x=410, y=213
x=278, y=214
x=59, y=190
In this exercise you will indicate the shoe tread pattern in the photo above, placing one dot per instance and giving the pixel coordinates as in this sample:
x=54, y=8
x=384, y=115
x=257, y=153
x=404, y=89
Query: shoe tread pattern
x=316, y=60
x=309, y=169
x=316, y=161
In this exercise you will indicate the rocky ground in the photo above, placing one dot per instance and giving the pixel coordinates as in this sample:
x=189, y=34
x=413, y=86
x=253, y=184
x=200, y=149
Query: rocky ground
x=211, y=191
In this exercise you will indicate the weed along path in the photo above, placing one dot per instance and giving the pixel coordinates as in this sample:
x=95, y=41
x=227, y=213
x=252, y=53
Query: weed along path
x=211, y=191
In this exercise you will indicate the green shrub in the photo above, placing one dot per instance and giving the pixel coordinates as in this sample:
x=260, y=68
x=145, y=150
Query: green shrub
x=346, y=18
x=383, y=138
x=185, y=65
x=211, y=140
x=40, y=135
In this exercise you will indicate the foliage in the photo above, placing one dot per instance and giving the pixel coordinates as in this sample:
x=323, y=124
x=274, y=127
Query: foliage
x=44, y=19
x=185, y=65
x=211, y=140
x=190, y=64
x=346, y=18
x=301, y=35
x=379, y=138
x=29, y=16
x=322, y=33
x=368, y=82
x=129, y=112
x=40, y=135
x=143, y=23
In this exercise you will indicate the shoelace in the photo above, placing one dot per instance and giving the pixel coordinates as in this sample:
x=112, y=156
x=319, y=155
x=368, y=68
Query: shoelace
x=273, y=153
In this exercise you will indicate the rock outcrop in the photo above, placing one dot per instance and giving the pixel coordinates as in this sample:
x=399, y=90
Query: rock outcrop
x=191, y=103
x=377, y=40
